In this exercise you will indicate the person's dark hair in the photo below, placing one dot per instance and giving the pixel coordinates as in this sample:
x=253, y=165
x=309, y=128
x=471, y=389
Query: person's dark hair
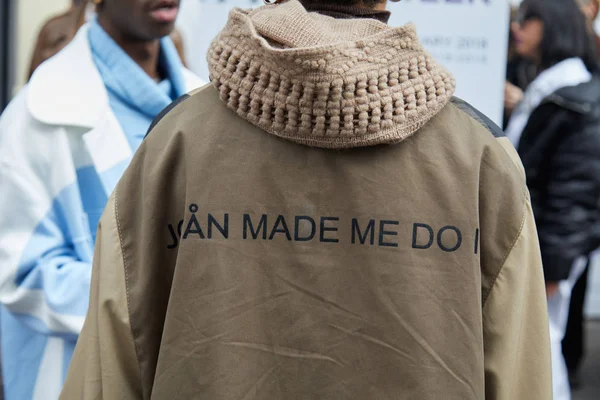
x=566, y=32
x=367, y=3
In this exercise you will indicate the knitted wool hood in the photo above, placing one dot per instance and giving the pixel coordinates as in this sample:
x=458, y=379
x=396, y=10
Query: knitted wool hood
x=326, y=82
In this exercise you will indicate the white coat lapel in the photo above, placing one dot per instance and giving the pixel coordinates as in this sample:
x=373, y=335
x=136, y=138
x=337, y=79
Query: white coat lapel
x=109, y=150
x=79, y=98
x=82, y=102
x=67, y=89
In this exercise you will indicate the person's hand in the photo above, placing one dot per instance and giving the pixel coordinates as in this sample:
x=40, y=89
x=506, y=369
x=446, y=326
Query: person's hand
x=551, y=289
x=512, y=96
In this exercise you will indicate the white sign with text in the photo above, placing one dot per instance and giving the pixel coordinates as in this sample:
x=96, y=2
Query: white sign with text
x=469, y=37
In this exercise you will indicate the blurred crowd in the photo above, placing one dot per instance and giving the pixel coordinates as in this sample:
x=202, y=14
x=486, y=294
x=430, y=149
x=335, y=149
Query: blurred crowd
x=553, y=57
x=108, y=69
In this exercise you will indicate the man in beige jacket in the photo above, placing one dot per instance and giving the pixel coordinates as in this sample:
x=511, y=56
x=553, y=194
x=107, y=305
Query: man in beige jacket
x=323, y=221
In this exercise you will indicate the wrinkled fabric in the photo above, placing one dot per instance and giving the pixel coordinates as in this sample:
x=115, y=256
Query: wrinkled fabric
x=257, y=268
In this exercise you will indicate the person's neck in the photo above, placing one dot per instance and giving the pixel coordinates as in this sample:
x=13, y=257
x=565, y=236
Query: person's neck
x=379, y=6
x=145, y=53
x=347, y=11
x=382, y=6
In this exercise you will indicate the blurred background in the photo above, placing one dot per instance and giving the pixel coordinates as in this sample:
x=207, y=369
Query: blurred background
x=477, y=49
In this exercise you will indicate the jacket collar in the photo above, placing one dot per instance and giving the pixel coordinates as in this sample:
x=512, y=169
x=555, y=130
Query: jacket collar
x=582, y=98
x=570, y=72
x=68, y=89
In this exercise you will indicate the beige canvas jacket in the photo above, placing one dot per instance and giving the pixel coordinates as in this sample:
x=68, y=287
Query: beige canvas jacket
x=323, y=221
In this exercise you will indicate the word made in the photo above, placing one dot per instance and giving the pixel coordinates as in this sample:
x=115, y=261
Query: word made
x=322, y=229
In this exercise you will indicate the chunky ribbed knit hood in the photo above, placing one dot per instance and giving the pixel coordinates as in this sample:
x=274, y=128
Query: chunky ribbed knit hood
x=326, y=82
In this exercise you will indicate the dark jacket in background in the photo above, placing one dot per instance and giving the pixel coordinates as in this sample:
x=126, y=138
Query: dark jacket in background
x=560, y=149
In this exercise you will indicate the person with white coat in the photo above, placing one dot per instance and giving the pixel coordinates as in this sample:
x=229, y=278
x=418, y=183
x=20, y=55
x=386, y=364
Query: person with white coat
x=555, y=129
x=64, y=142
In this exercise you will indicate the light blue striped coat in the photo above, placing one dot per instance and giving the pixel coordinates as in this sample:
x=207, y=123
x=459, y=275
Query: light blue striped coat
x=61, y=153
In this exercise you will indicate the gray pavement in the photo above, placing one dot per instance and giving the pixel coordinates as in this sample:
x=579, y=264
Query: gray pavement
x=590, y=372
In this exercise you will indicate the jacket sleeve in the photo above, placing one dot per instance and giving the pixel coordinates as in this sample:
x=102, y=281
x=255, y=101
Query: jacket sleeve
x=45, y=267
x=515, y=322
x=104, y=365
x=568, y=221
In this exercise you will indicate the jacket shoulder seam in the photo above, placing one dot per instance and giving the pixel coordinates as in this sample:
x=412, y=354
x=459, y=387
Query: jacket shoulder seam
x=477, y=116
x=166, y=111
x=487, y=293
x=127, y=287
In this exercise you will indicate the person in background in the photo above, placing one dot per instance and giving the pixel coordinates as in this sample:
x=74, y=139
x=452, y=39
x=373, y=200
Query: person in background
x=64, y=142
x=56, y=33
x=323, y=221
x=59, y=30
x=590, y=9
x=520, y=72
x=574, y=342
x=556, y=129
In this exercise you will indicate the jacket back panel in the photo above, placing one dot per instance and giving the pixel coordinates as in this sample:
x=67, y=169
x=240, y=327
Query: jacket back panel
x=271, y=270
